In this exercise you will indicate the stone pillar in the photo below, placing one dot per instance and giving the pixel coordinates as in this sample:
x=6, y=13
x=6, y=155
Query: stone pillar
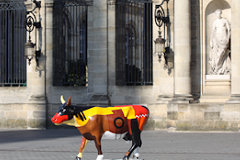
x=111, y=21
x=36, y=117
x=48, y=43
x=235, y=52
x=182, y=59
x=48, y=51
x=97, y=53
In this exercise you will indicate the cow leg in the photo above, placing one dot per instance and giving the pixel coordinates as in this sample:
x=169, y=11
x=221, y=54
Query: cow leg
x=99, y=148
x=82, y=147
x=136, y=138
x=128, y=154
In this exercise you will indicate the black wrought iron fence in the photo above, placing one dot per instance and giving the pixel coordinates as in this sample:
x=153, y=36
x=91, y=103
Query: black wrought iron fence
x=134, y=42
x=70, y=43
x=12, y=40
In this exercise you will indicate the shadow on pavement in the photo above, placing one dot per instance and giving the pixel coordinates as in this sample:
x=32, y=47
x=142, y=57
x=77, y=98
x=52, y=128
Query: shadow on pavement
x=8, y=136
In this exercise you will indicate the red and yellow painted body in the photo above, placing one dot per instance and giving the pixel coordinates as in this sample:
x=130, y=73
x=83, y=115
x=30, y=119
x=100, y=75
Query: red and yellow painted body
x=116, y=118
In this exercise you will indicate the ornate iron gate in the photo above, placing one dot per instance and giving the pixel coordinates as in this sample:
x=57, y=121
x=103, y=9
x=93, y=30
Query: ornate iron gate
x=12, y=40
x=70, y=47
x=134, y=42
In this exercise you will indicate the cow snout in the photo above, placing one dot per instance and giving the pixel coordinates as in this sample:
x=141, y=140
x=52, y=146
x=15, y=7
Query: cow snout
x=57, y=118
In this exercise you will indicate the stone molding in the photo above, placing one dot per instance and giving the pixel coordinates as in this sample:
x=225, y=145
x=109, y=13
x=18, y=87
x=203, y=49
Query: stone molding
x=49, y=3
x=235, y=99
x=111, y=2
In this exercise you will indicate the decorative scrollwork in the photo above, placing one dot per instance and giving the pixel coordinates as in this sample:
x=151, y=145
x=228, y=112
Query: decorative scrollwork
x=159, y=15
x=31, y=18
x=29, y=23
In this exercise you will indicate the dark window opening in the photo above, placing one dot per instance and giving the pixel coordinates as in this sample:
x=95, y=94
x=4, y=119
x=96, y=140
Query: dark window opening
x=134, y=43
x=12, y=41
x=70, y=47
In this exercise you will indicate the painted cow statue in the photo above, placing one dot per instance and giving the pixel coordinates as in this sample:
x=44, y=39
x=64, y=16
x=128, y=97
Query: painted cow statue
x=93, y=122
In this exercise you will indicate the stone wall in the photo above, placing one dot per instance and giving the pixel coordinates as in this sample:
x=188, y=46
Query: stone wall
x=22, y=116
x=199, y=117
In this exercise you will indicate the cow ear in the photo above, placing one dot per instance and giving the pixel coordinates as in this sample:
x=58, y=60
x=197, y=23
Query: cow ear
x=62, y=99
x=69, y=101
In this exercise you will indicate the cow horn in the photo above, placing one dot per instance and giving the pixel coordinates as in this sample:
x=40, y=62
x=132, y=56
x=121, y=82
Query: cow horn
x=62, y=100
x=69, y=101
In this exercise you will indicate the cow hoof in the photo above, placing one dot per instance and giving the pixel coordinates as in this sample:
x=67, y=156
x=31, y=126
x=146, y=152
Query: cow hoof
x=99, y=157
x=136, y=156
x=78, y=158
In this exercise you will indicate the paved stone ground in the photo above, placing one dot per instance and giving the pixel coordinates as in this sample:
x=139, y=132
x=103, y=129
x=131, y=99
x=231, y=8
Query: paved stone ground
x=63, y=144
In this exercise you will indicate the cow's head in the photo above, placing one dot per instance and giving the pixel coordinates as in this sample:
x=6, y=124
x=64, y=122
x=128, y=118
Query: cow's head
x=65, y=112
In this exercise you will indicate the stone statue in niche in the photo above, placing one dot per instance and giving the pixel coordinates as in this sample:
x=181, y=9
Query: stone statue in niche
x=219, y=58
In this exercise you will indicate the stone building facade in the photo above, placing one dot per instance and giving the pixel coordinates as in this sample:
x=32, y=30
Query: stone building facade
x=102, y=52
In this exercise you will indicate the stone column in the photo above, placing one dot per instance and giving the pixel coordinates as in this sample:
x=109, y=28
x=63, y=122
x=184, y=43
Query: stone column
x=47, y=24
x=182, y=50
x=36, y=117
x=235, y=52
x=97, y=53
x=48, y=41
x=111, y=21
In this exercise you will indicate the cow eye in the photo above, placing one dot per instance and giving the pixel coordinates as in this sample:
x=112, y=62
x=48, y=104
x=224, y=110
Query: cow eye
x=62, y=111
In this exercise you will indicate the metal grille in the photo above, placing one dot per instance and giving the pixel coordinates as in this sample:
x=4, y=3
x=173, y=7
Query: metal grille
x=134, y=42
x=70, y=47
x=12, y=39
